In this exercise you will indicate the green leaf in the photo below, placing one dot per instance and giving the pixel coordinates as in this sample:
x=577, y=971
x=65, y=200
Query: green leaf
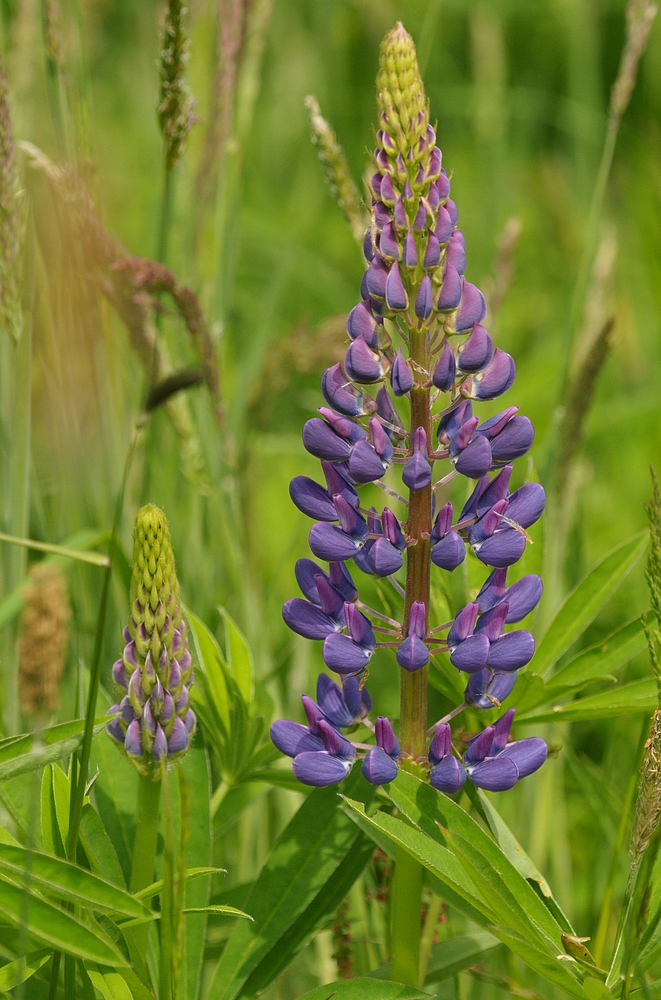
x=364, y=989
x=111, y=985
x=626, y=699
x=21, y=754
x=512, y=849
x=18, y=972
x=556, y=970
x=501, y=882
x=309, y=850
x=585, y=602
x=98, y=847
x=317, y=913
x=598, y=662
x=452, y=955
x=65, y=880
x=594, y=989
x=239, y=658
x=50, y=831
x=56, y=927
x=190, y=875
x=218, y=911
x=451, y=881
x=212, y=662
x=62, y=798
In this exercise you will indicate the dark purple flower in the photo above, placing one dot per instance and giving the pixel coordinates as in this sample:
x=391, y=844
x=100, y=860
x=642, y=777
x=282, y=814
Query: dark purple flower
x=472, y=307
x=450, y=294
x=368, y=247
x=443, y=225
x=308, y=619
x=455, y=255
x=412, y=653
x=322, y=441
x=486, y=689
x=388, y=245
x=341, y=706
x=432, y=251
x=400, y=375
x=378, y=768
x=320, y=769
x=495, y=379
x=477, y=350
x=361, y=363
x=396, y=297
x=496, y=765
x=447, y=773
x=521, y=597
x=341, y=394
x=361, y=323
x=448, y=548
x=417, y=471
x=350, y=654
x=444, y=372
x=424, y=300
x=375, y=278
x=511, y=651
x=410, y=251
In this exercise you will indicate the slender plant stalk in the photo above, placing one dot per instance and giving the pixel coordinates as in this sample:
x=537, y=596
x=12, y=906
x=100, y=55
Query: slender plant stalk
x=405, y=912
x=428, y=934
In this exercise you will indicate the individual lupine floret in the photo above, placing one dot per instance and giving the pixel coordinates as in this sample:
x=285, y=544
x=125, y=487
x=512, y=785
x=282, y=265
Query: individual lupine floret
x=379, y=766
x=340, y=393
x=447, y=773
x=468, y=651
x=335, y=542
x=351, y=653
x=477, y=448
x=521, y=598
x=412, y=653
x=497, y=538
x=329, y=765
x=417, y=471
x=385, y=554
x=496, y=765
x=401, y=377
x=155, y=671
x=486, y=689
x=312, y=499
x=448, y=548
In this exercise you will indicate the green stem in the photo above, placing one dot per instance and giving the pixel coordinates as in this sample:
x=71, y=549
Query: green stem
x=407, y=880
x=144, y=848
x=405, y=910
x=165, y=220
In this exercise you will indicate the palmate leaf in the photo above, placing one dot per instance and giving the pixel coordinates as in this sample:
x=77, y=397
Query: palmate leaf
x=625, y=699
x=20, y=754
x=310, y=849
x=585, y=601
x=364, y=989
x=452, y=955
x=66, y=881
x=55, y=927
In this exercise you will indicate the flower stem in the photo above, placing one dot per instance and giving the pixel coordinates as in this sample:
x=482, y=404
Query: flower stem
x=144, y=848
x=405, y=910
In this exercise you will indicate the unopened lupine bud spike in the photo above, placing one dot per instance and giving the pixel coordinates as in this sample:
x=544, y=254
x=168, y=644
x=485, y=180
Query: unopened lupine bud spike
x=159, y=649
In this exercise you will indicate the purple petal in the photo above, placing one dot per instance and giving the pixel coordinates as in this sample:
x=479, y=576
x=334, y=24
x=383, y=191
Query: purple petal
x=160, y=747
x=190, y=722
x=384, y=558
x=345, y=656
x=512, y=651
x=417, y=624
x=477, y=351
x=463, y=624
x=528, y=754
x=381, y=216
x=475, y=460
x=493, y=589
x=449, y=552
x=359, y=626
x=444, y=372
x=335, y=743
x=396, y=297
x=385, y=736
x=361, y=365
x=375, y=278
x=495, y=775
x=321, y=441
x=400, y=375
x=119, y=675
x=471, y=654
x=133, y=740
x=329, y=542
x=497, y=489
x=312, y=499
x=361, y=323
x=443, y=225
x=472, y=308
x=490, y=623
x=441, y=743
x=339, y=393
x=443, y=185
x=364, y=464
x=387, y=191
x=417, y=472
x=496, y=378
x=178, y=741
x=455, y=255
x=291, y=738
x=424, y=300
x=368, y=249
x=513, y=441
x=450, y=295
x=401, y=219
x=484, y=684
x=314, y=715
x=306, y=572
x=410, y=252
x=503, y=548
x=412, y=654
x=442, y=524
x=494, y=425
x=114, y=729
x=320, y=769
x=525, y=506
x=522, y=597
x=307, y=619
x=388, y=245
x=432, y=251
x=448, y=775
x=340, y=578
x=378, y=767
x=501, y=732
x=333, y=703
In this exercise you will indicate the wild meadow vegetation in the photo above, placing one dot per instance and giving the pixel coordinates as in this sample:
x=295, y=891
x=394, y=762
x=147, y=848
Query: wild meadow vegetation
x=178, y=270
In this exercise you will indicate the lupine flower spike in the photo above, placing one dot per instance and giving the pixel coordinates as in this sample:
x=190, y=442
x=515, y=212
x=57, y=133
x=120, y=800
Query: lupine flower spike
x=155, y=671
x=446, y=363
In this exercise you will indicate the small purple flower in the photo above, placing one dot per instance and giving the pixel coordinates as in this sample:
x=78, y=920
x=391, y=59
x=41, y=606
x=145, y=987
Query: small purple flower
x=362, y=323
x=361, y=363
x=486, y=689
x=417, y=471
x=495, y=379
x=424, y=301
x=521, y=597
x=379, y=765
x=412, y=653
x=350, y=654
x=396, y=297
x=444, y=372
x=450, y=294
x=448, y=548
x=447, y=774
x=477, y=350
x=401, y=377
x=496, y=765
x=468, y=651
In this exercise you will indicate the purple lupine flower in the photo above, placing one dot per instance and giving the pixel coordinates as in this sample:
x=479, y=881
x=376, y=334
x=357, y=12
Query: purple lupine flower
x=416, y=279
x=155, y=671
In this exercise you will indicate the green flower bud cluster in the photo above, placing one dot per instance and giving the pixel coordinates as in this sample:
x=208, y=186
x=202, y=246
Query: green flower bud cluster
x=155, y=671
x=403, y=106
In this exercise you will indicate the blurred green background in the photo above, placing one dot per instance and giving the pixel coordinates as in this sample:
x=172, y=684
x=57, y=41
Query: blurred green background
x=520, y=90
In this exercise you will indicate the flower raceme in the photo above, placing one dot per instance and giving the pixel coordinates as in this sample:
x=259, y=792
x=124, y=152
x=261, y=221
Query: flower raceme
x=416, y=334
x=155, y=671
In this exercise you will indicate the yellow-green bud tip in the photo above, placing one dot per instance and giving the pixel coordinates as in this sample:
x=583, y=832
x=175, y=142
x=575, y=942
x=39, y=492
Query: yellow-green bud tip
x=400, y=90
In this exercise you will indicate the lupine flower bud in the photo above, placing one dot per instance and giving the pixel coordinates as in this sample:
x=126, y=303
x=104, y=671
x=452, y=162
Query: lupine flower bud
x=417, y=471
x=412, y=653
x=400, y=375
x=156, y=667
